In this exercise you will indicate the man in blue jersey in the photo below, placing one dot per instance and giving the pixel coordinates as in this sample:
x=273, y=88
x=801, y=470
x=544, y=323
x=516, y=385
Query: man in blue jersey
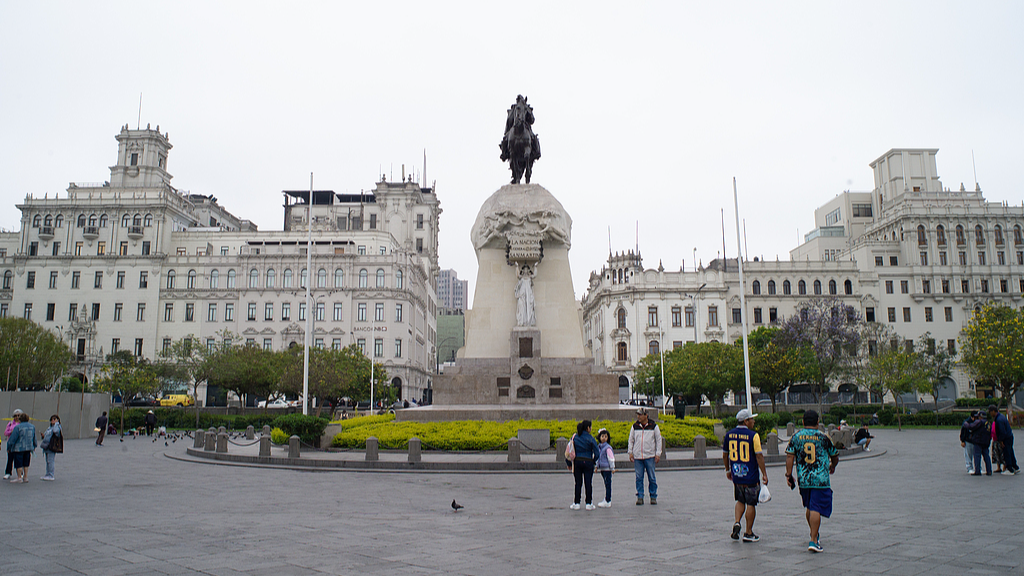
x=741, y=449
x=815, y=458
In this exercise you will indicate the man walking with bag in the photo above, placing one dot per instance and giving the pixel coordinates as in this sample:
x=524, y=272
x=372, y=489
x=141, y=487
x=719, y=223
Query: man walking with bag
x=644, y=449
x=815, y=458
x=741, y=448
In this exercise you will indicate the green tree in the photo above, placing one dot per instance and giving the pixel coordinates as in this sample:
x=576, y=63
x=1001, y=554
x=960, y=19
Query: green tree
x=773, y=368
x=334, y=374
x=647, y=375
x=873, y=335
x=938, y=364
x=711, y=369
x=992, y=348
x=188, y=361
x=31, y=357
x=248, y=369
x=127, y=376
x=897, y=370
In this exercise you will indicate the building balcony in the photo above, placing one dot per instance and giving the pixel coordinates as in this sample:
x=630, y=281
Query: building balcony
x=91, y=232
x=135, y=232
x=46, y=232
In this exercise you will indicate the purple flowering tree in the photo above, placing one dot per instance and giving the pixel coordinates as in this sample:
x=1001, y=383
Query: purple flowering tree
x=824, y=332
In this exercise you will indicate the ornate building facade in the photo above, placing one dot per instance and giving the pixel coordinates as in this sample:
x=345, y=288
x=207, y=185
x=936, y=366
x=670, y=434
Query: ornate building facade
x=135, y=264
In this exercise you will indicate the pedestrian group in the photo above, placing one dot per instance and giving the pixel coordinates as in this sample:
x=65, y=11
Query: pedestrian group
x=20, y=435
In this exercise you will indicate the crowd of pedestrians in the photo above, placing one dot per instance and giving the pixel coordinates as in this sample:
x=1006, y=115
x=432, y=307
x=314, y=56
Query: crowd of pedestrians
x=20, y=436
x=989, y=440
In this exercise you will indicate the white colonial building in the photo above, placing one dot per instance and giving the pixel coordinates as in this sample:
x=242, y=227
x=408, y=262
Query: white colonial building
x=135, y=264
x=910, y=253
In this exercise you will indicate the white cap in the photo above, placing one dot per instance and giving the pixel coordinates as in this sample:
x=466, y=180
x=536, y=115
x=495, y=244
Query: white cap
x=744, y=415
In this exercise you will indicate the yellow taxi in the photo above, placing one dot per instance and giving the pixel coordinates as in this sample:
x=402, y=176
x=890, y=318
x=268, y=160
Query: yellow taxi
x=177, y=400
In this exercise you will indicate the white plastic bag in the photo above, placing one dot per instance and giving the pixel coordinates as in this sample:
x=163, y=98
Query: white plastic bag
x=764, y=495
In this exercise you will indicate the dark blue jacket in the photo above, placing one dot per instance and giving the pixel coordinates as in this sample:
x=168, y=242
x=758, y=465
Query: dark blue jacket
x=586, y=446
x=1003, y=431
x=978, y=433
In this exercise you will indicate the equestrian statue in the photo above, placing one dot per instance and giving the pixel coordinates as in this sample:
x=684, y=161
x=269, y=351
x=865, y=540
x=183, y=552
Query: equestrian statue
x=520, y=146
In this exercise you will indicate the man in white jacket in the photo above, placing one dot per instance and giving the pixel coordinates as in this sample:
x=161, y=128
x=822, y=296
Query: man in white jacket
x=644, y=449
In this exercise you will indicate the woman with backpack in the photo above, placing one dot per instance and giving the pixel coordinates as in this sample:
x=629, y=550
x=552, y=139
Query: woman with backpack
x=53, y=444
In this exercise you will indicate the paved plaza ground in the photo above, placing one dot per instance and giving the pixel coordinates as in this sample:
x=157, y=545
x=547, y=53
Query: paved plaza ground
x=127, y=508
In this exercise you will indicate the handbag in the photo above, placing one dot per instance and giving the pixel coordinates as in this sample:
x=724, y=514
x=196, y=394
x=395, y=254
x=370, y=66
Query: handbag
x=764, y=495
x=56, y=444
x=570, y=449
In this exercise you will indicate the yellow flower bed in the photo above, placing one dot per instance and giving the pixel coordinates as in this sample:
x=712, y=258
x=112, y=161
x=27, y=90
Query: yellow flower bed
x=483, y=435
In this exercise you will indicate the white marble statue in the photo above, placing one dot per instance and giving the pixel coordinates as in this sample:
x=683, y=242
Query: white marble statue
x=525, y=315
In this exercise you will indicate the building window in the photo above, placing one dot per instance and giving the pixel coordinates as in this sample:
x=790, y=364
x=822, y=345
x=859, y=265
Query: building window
x=817, y=287
x=8, y=279
x=361, y=312
x=321, y=278
x=419, y=221
x=170, y=279
x=337, y=311
x=786, y=288
x=942, y=259
x=906, y=314
x=251, y=312
x=3, y=310
x=755, y=288
x=378, y=312
x=115, y=345
x=921, y=237
x=380, y=278
x=168, y=312
x=398, y=347
x=122, y=249
x=97, y=281
x=78, y=249
x=254, y=278
x=51, y=309
x=320, y=306
x=229, y=312
x=383, y=250
x=848, y=287
x=53, y=279
x=373, y=221
x=677, y=316
x=960, y=240
x=363, y=278
x=118, y=307
x=76, y=280
x=924, y=258
x=398, y=279
x=997, y=233
x=926, y=286
x=927, y=314
x=101, y=248
x=1018, y=237
x=140, y=313
x=737, y=316
x=712, y=315
x=620, y=315
x=771, y=287
x=143, y=279
x=979, y=235
x=869, y=314
x=981, y=258
x=801, y=288
x=894, y=261
x=653, y=347
x=72, y=312
x=268, y=343
x=302, y=311
x=832, y=287
x=945, y=286
x=211, y=313
x=138, y=346
x=268, y=311
x=336, y=344
x=892, y=314
x=271, y=278
x=361, y=343
x=688, y=315
x=28, y=310
x=940, y=235
x=621, y=352
x=190, y=312
x=30, y=282
x=652, y=315
x=360, y=250
x=984, y=285
x=951, y=347
x=757, y=316
x=95, y=312
x=286, y=311
x=339, y=278
x=378, y=347
x=965, y=286
x=419, y=245
x=904, y=287
x=398, y=313
x=878, y=260
x=1001, y=258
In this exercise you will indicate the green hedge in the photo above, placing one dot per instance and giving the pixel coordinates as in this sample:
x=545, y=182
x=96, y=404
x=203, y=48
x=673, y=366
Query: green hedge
x=764, y=424
x=307, y=428
x=177, y=418
x=480, y=435
x=979, y=402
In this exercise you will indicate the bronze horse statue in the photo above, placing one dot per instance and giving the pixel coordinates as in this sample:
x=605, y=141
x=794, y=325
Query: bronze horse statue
x=520, y=146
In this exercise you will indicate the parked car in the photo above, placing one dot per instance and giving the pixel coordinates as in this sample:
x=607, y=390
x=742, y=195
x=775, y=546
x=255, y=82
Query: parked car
x=177, y=400
x=143, y=401
x=279, y=403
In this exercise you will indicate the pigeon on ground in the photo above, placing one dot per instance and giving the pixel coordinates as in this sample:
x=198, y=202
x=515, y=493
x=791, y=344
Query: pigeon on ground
x=456, y=506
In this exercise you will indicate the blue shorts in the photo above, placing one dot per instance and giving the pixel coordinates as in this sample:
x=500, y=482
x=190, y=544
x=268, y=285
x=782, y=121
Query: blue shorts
x=818, y=500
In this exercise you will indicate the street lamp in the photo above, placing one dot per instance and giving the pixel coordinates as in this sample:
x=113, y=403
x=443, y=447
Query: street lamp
x=696, y=310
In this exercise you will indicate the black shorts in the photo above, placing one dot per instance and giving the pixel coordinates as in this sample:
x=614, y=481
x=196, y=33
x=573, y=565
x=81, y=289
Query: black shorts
x=22, y=459
x=746, y=494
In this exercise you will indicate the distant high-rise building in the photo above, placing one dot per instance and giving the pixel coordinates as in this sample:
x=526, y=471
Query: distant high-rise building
x=451, y=292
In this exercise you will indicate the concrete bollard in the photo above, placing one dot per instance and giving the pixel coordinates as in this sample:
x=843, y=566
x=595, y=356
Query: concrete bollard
x=293, y=447
x=514, y=450
x=700, y=447
x=773, y=444
x=719, y=432
x=211, y=440
x=250, y=432
x=221, y=429
x=200, y=439
x=266, y=430
x=822, y=428
x=371, y=449
x=414, y=449
x=265, y=446
x=831, y=427
x=560, y=445
x=222, y=442
x=790, y=429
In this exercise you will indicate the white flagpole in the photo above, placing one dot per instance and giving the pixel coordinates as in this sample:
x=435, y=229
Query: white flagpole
x=309, y=307
x=743, y=299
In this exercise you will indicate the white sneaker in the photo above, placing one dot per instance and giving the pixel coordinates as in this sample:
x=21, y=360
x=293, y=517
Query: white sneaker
x=1007, y=473
x=969, y=471
x=867, y=449
x=590, y=507
x=574, y=507
x=7, y=476
x=604, y=504
x=47, y=478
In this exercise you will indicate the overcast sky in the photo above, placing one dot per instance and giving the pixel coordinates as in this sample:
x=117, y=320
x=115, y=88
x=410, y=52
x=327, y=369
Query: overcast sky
x=645, y=111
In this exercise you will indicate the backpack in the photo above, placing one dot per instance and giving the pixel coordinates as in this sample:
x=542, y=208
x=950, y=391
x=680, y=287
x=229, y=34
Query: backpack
x=570, y=449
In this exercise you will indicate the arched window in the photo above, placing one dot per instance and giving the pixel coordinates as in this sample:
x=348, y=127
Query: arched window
x=214, y=279
x=960, y=240
x=940, y=235
x=103, y=220
x=287, y=278
x=48, y=221
x=36, y=220
x=170, y=279
x=137, y=220
x=847, y=287
x=801, y=288
x=81, y=220
x=997, y=233
x=303, y=277
x=271, y=278
x=126, y=220
x=755, y=287
x=231, y=278
x=653, y=347
x=621, y=352
x=398, y=279
x=921, y=239
x=92, y=220
x=1018, y=239
x=771, y=287
x=8, y=279
x=620, y=316
x=190, y=283
x=786, y=288
x=817, y=287
x=148, y=220
x=832, y=287
x=979, y=235
x=254, y=278
x=362, y=278
x=321, y=278
x=59, y=221
x=380, y=278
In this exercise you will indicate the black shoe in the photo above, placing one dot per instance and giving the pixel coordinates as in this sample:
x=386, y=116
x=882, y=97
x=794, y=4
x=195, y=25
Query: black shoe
x=640, y=501
x=976, y=474
x=736, y=531
x=751, y=537
x=654, y=501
